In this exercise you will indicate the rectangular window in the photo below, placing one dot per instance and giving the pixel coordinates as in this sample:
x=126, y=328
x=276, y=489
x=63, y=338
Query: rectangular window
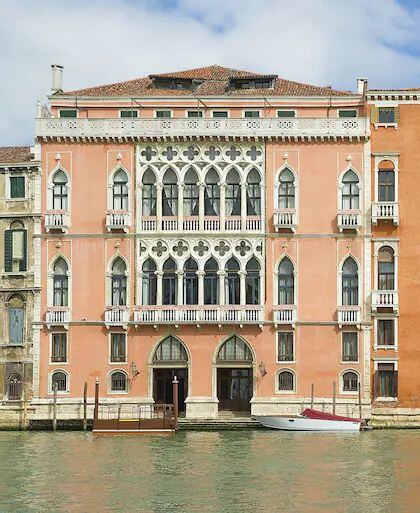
x=252, y=114
x=14, y=250
x=386, y=332
x=163, y=114
x=350, y=349
x=285, y=346
x=386, y=381
x=68, y=113
x=386, y=115
x=59, y=348
x=16, y=325
x=129, y=113
x=17, y=186
x=194, y=113
x=220, y=114
x=386, y=185
x=347, y=113
x=118, y=348
x=286, y=114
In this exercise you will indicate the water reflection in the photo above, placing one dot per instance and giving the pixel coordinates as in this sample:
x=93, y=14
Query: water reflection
x=225, y=472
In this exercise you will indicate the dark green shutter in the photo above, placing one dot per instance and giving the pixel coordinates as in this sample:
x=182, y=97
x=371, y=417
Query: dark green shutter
x=8, y=250
x=22, y=263
x=17, y=186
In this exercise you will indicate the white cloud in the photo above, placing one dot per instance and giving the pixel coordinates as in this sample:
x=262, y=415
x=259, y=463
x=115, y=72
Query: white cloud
x=101, y=41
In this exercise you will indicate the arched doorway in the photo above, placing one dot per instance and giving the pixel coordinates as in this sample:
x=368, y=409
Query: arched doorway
x=170, y=359
x=234, y=364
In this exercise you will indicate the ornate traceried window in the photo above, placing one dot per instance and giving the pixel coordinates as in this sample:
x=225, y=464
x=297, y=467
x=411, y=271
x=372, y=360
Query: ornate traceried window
x=60, y=190
x=386, y=269
x=252, y=282
x=350, y=382
x=287, y=189
x=169, y=282
x=212, y=194
x=149, y=282
x=211, y=282
x=233, y=284
x=234, y=349
x=286, y=283
x=253, y=194
x=170, y=194
x=170, y=350
x=350, y=191
x=190, y=282
x=60, y=283
x=350, y=283
x=119, y=283
x=191, y=196
x=120, y=191
x=233, y=194
x=149, y=193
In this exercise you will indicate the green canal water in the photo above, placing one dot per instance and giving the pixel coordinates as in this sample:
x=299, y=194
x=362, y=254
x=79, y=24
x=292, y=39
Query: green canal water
x=209, y=472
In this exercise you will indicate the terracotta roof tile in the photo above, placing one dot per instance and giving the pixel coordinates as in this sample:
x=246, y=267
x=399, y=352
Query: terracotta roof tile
x=216, y=82
x=15, y=154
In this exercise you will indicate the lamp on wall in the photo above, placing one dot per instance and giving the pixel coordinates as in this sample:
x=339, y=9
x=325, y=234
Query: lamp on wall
x=262, y=368
x=133, y=369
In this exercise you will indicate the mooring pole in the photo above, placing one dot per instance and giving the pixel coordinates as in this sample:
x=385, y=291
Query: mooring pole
x=360, y=402
x=55, y=407
x=334, y=392
x=312, y=396
x=96, y=408
x=175, y=399
x=85, y=407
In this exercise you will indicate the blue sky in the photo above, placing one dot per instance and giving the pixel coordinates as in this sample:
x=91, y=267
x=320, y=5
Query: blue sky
x=323, y=42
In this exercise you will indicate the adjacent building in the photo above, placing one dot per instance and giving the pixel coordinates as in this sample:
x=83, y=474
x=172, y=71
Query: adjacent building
x=20, y=221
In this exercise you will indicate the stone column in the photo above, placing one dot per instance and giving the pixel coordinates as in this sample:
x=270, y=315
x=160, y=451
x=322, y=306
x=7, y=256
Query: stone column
x=159, y=188
x=200, y=275
x=242, y=277
x=180, y=287
x=222, y=214
x=159, y=275
x=243, y=206
x=201, y=186
x=222, y=298
x=180, y=205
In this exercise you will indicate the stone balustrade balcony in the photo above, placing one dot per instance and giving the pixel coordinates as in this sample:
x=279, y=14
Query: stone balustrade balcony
x=118, y=220
x=349, y=315
x=199, y=314
x=386, y=211
x=172, y=224
x=385, y=299
x=57, y=316
x=117, y=316
x=285, y=314
x=57, y=220
x=349, y=220
x=147, y=128
x=285, y=219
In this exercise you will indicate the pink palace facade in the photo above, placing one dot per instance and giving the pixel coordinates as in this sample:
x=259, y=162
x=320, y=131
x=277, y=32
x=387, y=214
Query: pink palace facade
x=212, y=224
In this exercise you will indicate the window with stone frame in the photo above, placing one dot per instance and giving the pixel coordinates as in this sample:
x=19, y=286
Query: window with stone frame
x=118, y=348
x=386, y=332
x=15, y=248
x=285, y=346
x=17, y=187
x=59, y=348
x=349, y=346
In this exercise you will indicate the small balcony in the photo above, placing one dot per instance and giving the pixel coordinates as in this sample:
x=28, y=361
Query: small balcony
x=349, y=220
x=284, y=314
x=285, y=219
x=58, y=316
x=117, y=316
x=385, y=299
x=348, y=315
x=385, y=211
x=206, y=314
x=117, y=220
x=57, y=220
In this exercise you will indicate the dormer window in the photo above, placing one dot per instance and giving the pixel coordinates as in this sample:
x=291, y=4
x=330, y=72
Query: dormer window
x=128, y=113
x=386, y=115
x=179, y=85
x=253, y=84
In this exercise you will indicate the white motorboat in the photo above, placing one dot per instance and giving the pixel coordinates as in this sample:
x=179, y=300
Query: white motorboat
x=311, y=420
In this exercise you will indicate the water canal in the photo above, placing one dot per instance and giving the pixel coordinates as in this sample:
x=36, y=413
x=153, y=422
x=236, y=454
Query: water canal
x=210, y=472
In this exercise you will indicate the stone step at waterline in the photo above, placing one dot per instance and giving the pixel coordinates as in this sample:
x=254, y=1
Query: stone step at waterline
x=221, y=423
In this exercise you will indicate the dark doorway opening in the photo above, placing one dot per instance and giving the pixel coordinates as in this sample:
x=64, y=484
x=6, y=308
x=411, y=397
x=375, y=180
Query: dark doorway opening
x=162, y=386
x=234, y=389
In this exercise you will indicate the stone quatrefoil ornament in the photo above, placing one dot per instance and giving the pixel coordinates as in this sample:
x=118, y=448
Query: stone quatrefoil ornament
x=222, y=248
x=254, y=153
x=148, y=153
x=180, y=248
x=233, y=152
x=191, y=152
x=159, y=249
x=243, y=248
x=212, y=153
x=170, y=153
x=201, y=248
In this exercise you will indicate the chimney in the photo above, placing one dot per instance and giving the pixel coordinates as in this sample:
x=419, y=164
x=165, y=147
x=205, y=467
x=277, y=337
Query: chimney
x=361, y=85
x=57, y=78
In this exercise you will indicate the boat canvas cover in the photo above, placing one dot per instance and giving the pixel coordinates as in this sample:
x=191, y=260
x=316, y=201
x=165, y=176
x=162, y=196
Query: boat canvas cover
x=314, y=414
